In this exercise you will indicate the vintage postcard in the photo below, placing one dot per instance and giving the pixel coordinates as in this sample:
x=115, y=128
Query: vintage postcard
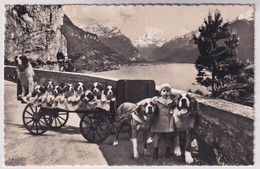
x=129, y=84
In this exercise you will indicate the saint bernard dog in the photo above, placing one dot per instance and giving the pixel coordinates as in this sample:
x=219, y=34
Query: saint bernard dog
x=109, y=93
x=58, y=93
x=98, y=90
x=88, y=96
x=185, y=113
x=138, y=117
x=79, y=90
x=68, y=93
x=25, y=74
x=38, y=92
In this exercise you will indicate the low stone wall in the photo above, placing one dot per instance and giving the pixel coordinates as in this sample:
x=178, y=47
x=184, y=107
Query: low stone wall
x=43, y=76
x=225, y=130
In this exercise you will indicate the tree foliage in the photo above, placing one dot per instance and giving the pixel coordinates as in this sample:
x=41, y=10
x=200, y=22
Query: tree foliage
x=217, y=49
x=223, y=74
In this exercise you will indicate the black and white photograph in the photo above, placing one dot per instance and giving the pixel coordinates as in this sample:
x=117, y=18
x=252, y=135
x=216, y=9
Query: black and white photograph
x=128, y=84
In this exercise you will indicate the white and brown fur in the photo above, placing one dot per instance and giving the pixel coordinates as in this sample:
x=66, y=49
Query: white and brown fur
x=109, y=93
x=98, y=90
x=87, y=96
x=58, y=93
x=25, y=74
x=68, y=93
x=48, y=96
x=79, y=90
x=126, y=115
x=185, y=116
x=38, y=92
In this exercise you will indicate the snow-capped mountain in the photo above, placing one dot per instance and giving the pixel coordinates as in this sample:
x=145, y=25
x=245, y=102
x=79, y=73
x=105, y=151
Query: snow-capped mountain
x=182, y=49
x=149, y=39
x=248, y=17
x=113, y=38
x=147, y=43
x=104, y=31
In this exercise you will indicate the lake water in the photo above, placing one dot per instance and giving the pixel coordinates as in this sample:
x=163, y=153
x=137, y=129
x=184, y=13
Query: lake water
x=178, y=75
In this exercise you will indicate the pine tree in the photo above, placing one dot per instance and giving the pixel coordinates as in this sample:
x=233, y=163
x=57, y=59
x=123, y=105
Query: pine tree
x=216, y=63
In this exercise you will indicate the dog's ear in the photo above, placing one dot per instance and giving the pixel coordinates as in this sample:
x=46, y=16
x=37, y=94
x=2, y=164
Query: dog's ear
x=139, y=109
x=82, y=96
x=65, y=88
x=175, y=102
x=76, y=86
x=156, y=109
x=42, y=90
x=193, y=104
x=24, y=60
x=60, y=91
x=114, y=91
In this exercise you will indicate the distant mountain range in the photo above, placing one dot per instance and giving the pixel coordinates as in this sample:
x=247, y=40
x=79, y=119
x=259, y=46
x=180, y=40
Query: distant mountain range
x=113, y=38
x=86, y=50
x=183, y=50
x=46, y=34
x=147, y=43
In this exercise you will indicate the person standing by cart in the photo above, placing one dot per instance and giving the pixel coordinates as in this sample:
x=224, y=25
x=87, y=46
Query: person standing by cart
x=163, y=122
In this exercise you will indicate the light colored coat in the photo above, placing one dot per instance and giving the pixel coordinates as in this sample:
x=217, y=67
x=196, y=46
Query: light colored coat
x=163, y=121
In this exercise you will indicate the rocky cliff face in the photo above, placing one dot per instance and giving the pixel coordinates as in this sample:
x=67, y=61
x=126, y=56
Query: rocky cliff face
x=113, y=38
x=35, y=31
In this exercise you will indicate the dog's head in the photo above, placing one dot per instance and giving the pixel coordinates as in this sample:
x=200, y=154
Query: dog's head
x=109, y=92
x=38, y=90
x=68, y=88
x=87, y=96
x=97, y=87
x=49, y=86
x=21, y=60
x=185, y=104
x=79, y=87
x=147, y=109
x=57, y=90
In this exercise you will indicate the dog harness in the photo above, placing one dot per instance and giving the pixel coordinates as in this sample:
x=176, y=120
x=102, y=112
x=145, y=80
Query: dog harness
x=137, y=118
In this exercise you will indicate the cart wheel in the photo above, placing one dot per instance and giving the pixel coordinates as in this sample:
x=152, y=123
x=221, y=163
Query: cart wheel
x=95, y=126
x=59, y=118
x=36, y=119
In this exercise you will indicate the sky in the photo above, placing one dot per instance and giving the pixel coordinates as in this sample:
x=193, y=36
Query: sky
x=165, y=21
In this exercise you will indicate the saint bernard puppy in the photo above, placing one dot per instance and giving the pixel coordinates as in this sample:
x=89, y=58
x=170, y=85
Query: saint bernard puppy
x=138, y=117
x=49, y=96
x=25, y=74
x=185, y=115
x=58, y=93
x=87, y=96
x=68, y=93
x=38, y=92
x=109, y=93
x=98, y=89
x=79, y=90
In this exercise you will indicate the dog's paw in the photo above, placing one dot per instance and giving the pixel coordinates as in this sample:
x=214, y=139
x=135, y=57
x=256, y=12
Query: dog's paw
x=136, y=155
x=115, y=143
x=113, y=99
x=150, y=140
x=188, y=157
x=177, y=151
x=146, y=152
